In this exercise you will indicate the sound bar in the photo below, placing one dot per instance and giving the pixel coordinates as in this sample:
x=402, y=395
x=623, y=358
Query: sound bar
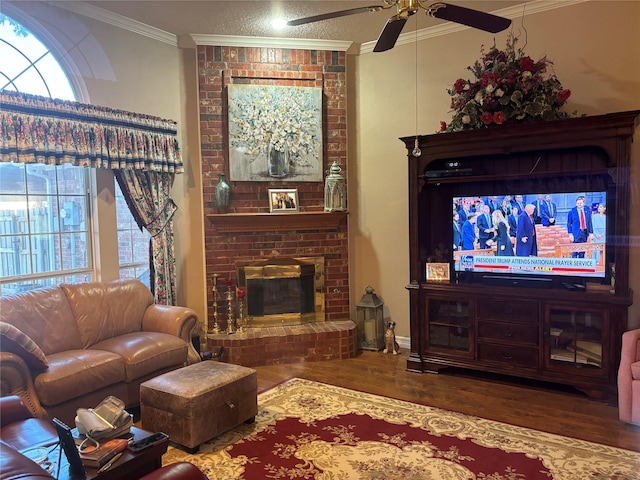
x=452, y=172
x=516, y=281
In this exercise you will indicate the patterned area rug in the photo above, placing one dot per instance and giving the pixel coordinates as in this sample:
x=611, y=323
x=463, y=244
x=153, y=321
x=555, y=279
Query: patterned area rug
x=309, y=430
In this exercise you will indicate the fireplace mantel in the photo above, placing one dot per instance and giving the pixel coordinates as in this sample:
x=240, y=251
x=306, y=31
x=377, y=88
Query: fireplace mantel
x=269, y=222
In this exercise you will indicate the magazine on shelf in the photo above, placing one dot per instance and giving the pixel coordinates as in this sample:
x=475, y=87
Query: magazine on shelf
x=589, y=348
x=566, y=355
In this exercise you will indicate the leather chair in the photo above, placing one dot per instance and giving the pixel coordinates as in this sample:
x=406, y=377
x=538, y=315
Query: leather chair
x=629, y=378
x=20, y=431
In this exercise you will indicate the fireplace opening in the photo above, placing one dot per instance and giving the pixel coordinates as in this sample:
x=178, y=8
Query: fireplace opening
x=287, y=291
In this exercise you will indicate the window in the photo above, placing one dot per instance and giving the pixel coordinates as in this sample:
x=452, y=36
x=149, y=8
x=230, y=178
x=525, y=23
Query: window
x=29, y=66
x=46, y=234
x=133, y=244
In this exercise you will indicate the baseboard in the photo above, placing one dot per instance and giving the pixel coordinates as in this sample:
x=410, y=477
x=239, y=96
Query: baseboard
x=404, y=342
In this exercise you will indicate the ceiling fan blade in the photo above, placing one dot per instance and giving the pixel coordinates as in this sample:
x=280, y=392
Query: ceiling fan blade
x=467, y=16
x=390, y=33
x=340, y=13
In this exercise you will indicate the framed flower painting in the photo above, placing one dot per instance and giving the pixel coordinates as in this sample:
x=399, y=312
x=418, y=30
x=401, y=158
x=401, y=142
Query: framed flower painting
x=275, y=133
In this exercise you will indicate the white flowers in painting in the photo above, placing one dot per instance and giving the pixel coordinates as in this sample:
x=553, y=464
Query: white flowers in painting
x=290, y=118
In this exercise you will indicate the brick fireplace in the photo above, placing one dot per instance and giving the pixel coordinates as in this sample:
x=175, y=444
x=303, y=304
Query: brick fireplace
x=249, y=233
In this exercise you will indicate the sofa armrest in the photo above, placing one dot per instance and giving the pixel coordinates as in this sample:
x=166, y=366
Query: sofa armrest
x=629, y=353
x=14, y=465
x=178, y=321
x=176, y=471
x=16, y=379
x=12, y=410
x=631, y=345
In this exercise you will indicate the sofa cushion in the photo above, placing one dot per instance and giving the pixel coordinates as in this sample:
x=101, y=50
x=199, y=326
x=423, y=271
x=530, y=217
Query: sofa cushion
x=635, y=370
x=29, y=433
x=44, y=316
x=107, y=310
x=146, y=352
x=75, y=373
x=15, y=341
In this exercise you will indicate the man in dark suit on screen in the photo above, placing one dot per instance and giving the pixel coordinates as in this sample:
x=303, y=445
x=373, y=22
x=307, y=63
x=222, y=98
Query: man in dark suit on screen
x=469, y=232
x=579, y=225
x=512, y=220
x=526, y=244
x=548, y=211
x=485, y=226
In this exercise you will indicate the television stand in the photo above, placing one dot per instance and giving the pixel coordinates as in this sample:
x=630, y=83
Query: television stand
x=528, y=327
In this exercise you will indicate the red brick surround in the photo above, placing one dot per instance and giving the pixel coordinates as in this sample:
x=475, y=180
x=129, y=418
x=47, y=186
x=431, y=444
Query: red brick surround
x=293, y=344
x=226, y=250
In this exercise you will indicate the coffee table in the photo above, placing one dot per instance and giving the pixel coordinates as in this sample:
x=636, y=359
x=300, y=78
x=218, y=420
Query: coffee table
x=130, y=466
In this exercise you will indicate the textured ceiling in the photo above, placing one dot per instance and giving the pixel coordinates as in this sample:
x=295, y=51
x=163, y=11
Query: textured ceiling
x=251, y=18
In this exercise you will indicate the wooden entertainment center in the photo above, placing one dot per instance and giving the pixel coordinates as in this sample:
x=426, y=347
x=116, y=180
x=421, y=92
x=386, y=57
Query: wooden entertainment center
x=558, y=335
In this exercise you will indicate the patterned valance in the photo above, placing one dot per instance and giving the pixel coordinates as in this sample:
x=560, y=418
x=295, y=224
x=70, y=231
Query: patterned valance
x=41, y=130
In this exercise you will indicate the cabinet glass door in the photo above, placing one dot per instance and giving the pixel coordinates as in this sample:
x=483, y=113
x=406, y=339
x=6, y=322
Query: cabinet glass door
x=449, y=324
x=575, y=338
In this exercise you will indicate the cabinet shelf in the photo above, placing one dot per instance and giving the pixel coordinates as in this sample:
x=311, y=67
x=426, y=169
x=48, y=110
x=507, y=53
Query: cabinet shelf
x=270, y=222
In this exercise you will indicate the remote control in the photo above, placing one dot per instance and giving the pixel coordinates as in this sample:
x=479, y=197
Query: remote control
x=149, y=441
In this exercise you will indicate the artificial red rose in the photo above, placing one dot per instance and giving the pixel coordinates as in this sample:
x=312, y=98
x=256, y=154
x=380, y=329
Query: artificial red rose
x=527, y=64
x=489, y=78
x=563, y=95
x=486, y=118
x=459, y=86
x=443, y=126
x=499, y=117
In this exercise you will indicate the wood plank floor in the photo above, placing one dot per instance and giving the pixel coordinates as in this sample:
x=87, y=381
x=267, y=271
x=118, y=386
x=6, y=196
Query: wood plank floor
x=545, y=407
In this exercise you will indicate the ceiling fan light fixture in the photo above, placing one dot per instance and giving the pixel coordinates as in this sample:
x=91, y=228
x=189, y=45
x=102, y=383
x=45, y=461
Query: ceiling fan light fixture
x=278, y=23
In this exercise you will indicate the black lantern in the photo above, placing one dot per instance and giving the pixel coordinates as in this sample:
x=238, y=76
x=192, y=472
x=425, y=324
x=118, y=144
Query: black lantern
x=370, y=321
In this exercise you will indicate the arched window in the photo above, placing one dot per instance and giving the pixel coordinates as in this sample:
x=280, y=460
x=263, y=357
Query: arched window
x=46, y=234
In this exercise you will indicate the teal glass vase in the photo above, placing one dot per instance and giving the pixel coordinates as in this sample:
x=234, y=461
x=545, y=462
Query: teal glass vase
x=222, y=194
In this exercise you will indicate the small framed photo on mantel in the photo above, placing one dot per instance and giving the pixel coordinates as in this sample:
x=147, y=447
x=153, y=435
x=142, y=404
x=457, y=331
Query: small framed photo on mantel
x=283, y=200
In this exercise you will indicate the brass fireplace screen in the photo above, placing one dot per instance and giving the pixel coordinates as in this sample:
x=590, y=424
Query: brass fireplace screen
x=283, y=291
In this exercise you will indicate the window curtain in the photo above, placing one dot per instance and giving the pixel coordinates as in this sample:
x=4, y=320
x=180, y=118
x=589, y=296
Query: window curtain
x=142, y=151
x=148, y=196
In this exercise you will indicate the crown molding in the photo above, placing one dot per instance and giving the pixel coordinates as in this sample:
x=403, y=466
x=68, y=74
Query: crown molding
x=516, y=11
x=120, y=21
x=97, y=13
x=270, y=42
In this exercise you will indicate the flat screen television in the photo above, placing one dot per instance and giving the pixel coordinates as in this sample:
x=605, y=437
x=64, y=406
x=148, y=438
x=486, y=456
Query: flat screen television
x=551, y=239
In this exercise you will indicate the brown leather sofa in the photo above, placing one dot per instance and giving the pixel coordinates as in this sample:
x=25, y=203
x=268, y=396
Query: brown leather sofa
x=19, y=431
x=71, y=346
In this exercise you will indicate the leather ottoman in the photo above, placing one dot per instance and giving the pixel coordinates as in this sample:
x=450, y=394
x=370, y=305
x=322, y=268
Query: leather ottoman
x=195, y=403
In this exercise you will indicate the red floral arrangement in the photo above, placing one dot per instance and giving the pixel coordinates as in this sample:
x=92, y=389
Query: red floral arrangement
x=508, y=86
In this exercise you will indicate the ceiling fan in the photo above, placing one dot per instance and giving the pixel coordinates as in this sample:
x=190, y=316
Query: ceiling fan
x=406, y=8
